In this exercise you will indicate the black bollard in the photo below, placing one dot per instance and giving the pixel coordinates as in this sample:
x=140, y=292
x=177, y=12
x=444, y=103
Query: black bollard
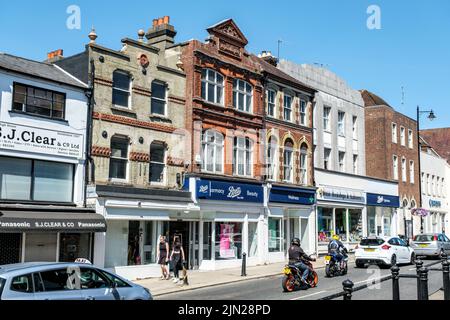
x=395, y=270
x=348, y=289
x=423, y=287
x=244, y=265
x=446, y=276
x=419, y=265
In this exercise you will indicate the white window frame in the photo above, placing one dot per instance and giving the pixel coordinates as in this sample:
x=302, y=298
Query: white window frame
x=272, y=165
x=303, y=112
x=245, y=93
x=404, y=176
x=288, y=166
x=206, y=145
x=410, y=139
x=412, y=177
x=394, y=133
x=355, y=127
x=341, y=161
x=402, y=136
x=327, y=119
x=273, y=103
x=164, y=180
x=341, y=124
x=395, y=166
x=304, y=166
x=129, y=91
x=215, y=83
x=159, y=99
x=248, y=156
x=127, y=173
x=287, y=107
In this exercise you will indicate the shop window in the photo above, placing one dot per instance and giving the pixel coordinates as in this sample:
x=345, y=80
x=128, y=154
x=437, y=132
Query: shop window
x=134, y=243
x=207, y=240
x=212, y=147
x=38, y=101
x=272, y=156
x=10, y=248
x=157, y=162
x=212, y=86
x=32, y=180
x=387, y=222
x=325, y=224
x=356, y=225
x=242, y=95
x=73, y=246
x=121, y=89
x=341, y=223
x=243, y=156
x=275, y=235
x=118, y=165
x=159, y=98
x=228, y=240
x=150, y=246
x=371, y=221
x=252, y=239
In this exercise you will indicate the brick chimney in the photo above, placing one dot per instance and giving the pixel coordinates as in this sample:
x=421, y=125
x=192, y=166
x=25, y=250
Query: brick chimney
x=162, y=33
x=268, y=57
x=54, y=56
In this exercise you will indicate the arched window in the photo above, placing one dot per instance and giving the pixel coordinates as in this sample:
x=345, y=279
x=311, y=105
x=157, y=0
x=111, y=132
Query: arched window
x=304, y=164
x=212, y=149
x=212, y=86
x=157, y=162
x=121, y=89
x=405, y=203
x=243, y=156
x=159, y=98
x=272, y=156
x=288, y=166
x=242, y=95
x=118, y=163
x=413, y=204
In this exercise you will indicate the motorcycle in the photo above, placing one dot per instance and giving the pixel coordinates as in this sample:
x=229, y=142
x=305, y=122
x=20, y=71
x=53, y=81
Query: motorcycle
x=292, y=278
x=333, y=268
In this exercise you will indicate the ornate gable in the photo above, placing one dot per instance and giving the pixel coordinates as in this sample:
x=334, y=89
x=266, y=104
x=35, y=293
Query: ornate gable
x=228, y=31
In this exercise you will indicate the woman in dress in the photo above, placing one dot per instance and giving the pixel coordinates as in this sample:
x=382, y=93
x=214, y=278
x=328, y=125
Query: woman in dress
x=163, y=257
x=177, y=257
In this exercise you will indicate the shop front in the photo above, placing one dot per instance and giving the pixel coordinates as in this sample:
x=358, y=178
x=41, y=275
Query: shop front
x=290, y=213
x=436, y=220
x=340, y=212
x=382, y=215
x=58, y=235
x=231, y=223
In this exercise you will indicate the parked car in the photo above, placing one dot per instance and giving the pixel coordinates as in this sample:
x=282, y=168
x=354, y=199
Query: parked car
x=383, y=251
x=431, y=244
x=66, y=281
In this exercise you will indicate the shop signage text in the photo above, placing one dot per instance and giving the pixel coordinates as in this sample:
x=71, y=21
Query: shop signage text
x=435, y=204
x=290, y=195
x=381, y=200
x=334, y=194
x=228, y=191
x=29, y=139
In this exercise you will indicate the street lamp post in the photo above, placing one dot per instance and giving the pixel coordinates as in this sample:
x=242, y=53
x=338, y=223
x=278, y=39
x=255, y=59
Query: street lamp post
x=431, y=117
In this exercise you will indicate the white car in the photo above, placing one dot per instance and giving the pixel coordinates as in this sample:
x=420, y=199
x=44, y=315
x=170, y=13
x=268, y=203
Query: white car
x=383, y=251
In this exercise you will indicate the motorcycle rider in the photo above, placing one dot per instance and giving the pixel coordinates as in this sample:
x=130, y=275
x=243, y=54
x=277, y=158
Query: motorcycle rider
x=297, y=257
x=336, y=248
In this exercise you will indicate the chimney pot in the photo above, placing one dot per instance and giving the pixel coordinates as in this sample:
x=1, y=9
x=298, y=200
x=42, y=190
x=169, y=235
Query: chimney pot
x=160, y=21
x=166, y=20
x=155, y=22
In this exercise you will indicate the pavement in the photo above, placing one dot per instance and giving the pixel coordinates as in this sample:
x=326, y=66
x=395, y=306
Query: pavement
x=208, y=279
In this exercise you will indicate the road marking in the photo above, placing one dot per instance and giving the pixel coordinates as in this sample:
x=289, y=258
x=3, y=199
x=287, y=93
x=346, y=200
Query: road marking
x=309, y=295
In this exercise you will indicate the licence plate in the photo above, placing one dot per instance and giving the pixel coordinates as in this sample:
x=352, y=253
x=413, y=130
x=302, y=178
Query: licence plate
x=423, y=245
x=328, y=258
x=287, y=271
x=369, y=250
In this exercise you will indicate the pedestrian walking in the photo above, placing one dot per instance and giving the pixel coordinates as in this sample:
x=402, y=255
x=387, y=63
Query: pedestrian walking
x=177, y=258
x=163, y=257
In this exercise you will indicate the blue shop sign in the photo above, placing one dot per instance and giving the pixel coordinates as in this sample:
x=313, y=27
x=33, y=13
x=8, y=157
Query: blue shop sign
x=229, y=191
x=435, y=204
x=292, y=195
x=382, y=200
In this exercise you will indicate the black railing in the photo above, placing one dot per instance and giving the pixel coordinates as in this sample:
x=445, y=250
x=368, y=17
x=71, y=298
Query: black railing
x=421, y=276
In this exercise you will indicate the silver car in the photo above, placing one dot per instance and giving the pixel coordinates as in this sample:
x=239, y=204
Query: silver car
x=65, y=281
x=431, y=244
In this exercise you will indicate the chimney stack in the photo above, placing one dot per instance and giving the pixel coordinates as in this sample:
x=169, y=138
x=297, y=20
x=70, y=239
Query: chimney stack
x=55, y=55
x=162, y=33
x=268, y=57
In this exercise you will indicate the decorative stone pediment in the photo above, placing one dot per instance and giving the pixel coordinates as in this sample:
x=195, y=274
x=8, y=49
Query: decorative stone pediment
x=229, y=32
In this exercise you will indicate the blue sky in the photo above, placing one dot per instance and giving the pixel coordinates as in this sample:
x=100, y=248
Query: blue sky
x=411, y=50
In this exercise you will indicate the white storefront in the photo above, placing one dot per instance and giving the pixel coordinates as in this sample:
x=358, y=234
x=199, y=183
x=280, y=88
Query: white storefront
x=354, y=207
x=435, y=195
x=43, y=116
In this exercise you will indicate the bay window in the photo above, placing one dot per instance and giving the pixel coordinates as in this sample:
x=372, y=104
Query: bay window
x=212, y=147
x=212, y=86
x=243, y=156
x=34, y=180
x=242, y=95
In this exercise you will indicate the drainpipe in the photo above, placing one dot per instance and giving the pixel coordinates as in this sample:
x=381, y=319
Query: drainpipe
x=89, y=174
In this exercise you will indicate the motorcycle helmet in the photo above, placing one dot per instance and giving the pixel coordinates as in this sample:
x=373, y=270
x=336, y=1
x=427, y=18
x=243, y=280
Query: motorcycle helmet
x=336, y=237
x=295, y=242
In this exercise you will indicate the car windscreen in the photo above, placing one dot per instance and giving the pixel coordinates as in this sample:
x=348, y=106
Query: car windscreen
x=372, y=242
x=2, y=285
x=424, y=238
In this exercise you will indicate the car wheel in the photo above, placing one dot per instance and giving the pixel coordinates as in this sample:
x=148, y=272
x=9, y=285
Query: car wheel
x=393, y=260
x=413, y=258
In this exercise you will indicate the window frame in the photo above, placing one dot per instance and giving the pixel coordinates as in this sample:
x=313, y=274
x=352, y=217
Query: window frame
x=304, y=166
x=130, y=83
x=272, y=166
x=206, y=81
x=326, y=159
x=410, y=139
x=355, y=164
x=289, y=166
x=206, y=145
x=412, y=175
x=121, y=159
x=404, y=170
x=237, y=92
x=395, y=167
x=327, y=119
x=33, y=182
x=63, y=118
x=164, y=180
x=402, y=136
x=303, y=111
x=269, y=103
x=247, y=152
x=394, y=133
x=341, y=165
x=355, y=128
x=165, y=100
x=341, y=123
x=285, y=108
